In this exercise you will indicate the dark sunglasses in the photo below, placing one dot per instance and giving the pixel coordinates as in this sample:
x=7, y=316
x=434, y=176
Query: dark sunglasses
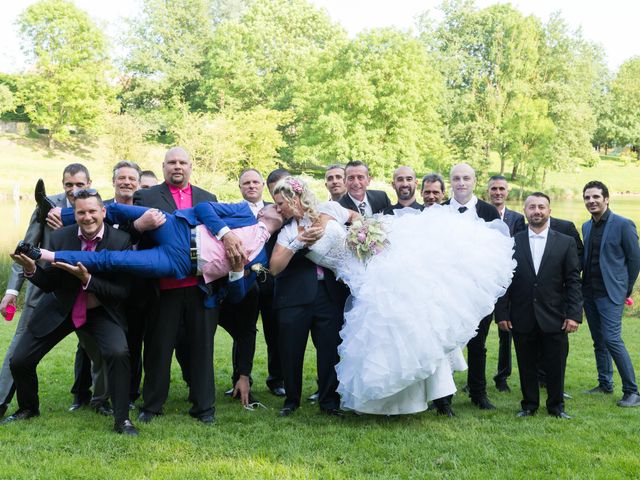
x=85, y=193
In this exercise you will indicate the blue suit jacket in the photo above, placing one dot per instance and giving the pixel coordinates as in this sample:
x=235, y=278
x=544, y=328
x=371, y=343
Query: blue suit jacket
x=619, y=256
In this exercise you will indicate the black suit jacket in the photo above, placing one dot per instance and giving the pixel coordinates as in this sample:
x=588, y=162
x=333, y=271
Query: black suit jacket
x=297, y=284
x=485, y=210
x=551, y=296
x=62, y=288
x=568, y=228
x=378, y=200
x=159, y=196
x=514, y=220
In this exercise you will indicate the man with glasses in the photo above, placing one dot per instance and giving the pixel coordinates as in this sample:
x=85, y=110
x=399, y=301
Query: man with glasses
x=75, y=176
x=76, y=300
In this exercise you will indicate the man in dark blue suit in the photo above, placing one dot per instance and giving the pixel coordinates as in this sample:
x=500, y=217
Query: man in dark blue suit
x=498, y=190
x=611, y=265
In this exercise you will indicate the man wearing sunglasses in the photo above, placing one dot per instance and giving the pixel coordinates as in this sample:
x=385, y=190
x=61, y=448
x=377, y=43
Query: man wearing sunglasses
x=76, y=300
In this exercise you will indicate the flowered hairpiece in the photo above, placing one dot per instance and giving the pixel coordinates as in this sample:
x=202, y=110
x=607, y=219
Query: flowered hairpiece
x=295, y=185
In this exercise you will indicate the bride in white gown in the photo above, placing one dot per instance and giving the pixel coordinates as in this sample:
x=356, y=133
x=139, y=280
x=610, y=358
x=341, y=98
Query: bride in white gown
x=414, y=305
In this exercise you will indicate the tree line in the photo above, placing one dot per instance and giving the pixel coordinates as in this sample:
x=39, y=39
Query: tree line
x=268, y=83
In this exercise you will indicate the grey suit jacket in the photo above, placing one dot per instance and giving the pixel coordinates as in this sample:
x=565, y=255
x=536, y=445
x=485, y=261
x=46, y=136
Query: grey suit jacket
x=35, y=235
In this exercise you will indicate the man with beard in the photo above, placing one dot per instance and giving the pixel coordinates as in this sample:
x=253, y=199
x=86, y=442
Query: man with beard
x=542, y=305
x=404, y=183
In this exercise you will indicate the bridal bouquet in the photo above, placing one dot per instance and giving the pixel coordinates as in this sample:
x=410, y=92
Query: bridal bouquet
x=366, y=238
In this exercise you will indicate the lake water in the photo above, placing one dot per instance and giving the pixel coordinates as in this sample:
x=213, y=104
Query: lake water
x=16, y=215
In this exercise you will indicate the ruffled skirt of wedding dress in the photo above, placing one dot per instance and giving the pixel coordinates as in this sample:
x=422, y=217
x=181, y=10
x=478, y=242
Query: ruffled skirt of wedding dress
x=414, y=306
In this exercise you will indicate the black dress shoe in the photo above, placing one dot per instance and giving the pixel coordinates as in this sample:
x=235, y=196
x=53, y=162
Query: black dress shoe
x=525, y=413
x=286, y=411
x=563, y=415
x=229, y=393
x=278, y=391
x=22, y=414
x=502, y=387
x=43, y=202
x=314, y=397
x=132, y=406
x=445, y=411
x=629, y=400
x=599, y=389
x=77, y=405
x=483, y=403
x=334, y=412
x=27, y=249
x=145, y=416
x=103, y=408
x=206, y=419
x=126, y=428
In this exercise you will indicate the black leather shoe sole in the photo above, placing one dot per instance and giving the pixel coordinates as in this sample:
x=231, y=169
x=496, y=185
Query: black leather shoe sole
x=126, y=428
x=278, y=391
x=333, y=412
x=146, y=417
x=525, y=413
x=286, y=411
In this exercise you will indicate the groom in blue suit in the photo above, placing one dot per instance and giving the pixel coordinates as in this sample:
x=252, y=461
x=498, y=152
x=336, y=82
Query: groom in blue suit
x=611, y=266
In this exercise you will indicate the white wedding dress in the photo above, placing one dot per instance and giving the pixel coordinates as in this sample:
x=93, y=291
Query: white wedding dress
x=415, y=305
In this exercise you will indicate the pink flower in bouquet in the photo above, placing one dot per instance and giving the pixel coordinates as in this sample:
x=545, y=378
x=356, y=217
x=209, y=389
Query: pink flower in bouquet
x=362, y=236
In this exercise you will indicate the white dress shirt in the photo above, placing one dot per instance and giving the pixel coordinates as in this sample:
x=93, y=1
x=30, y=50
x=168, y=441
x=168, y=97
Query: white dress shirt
x=471, y=205
x=255, y=207
x=368, y=211
x=537, y=243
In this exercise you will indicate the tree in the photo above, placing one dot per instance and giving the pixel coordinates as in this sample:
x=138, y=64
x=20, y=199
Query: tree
x=7, y=102
x=225, y=143
x=167, y=46
x=488, y=58
x=625, y=100
x=67, y=86
x=376, y=99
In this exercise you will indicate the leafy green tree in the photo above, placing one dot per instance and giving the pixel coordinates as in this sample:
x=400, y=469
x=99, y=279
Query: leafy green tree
x=376, y=99
x=167, y=46
x=7, y=102
x=67, y=86
x=224, y=143
x=625, y=100
x=488, y=58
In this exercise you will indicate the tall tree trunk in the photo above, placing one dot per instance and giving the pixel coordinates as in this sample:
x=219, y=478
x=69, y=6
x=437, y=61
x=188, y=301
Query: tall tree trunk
x=606, y=149
x=50, y=141
x=514, y=172
x=502, y=161
x=544, y=178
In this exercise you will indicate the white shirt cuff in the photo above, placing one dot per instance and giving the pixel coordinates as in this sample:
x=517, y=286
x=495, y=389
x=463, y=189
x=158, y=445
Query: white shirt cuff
x=223, y=231
x=233, y=276
x=11, y=291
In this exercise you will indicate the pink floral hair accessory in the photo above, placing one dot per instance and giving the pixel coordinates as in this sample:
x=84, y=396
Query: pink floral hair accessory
x=295, y=185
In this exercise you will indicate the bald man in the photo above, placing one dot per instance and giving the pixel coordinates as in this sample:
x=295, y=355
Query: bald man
x=463, y=182
x=178, y=308
x=404, y=183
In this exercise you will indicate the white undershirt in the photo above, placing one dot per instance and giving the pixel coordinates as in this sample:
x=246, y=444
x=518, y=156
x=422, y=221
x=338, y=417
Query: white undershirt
x=537, y=243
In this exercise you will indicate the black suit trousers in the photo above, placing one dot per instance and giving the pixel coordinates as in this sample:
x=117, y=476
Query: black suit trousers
x=270, y=330
x=239, y=320
x=504, y=357
x=180, y=308
x=477, y=360
x=323, y=319
x=550, y=349
x=112, y=342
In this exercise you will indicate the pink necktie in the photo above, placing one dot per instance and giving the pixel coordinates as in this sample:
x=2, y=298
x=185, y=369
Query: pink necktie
x=79, y=311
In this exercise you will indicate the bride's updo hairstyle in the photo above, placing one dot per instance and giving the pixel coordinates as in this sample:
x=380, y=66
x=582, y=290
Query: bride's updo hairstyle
x=291, y=187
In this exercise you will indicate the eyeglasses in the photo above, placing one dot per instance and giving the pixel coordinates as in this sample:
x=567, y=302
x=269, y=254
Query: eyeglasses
x=85, y=193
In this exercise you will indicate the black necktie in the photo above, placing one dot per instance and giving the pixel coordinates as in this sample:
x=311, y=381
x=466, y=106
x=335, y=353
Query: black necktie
x=462, y=209
x=361, y=209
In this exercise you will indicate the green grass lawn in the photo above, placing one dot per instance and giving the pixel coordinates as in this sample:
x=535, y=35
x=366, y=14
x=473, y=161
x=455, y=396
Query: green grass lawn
x=600, y=442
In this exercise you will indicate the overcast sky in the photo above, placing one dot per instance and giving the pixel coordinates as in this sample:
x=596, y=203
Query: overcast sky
x=610, y=23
